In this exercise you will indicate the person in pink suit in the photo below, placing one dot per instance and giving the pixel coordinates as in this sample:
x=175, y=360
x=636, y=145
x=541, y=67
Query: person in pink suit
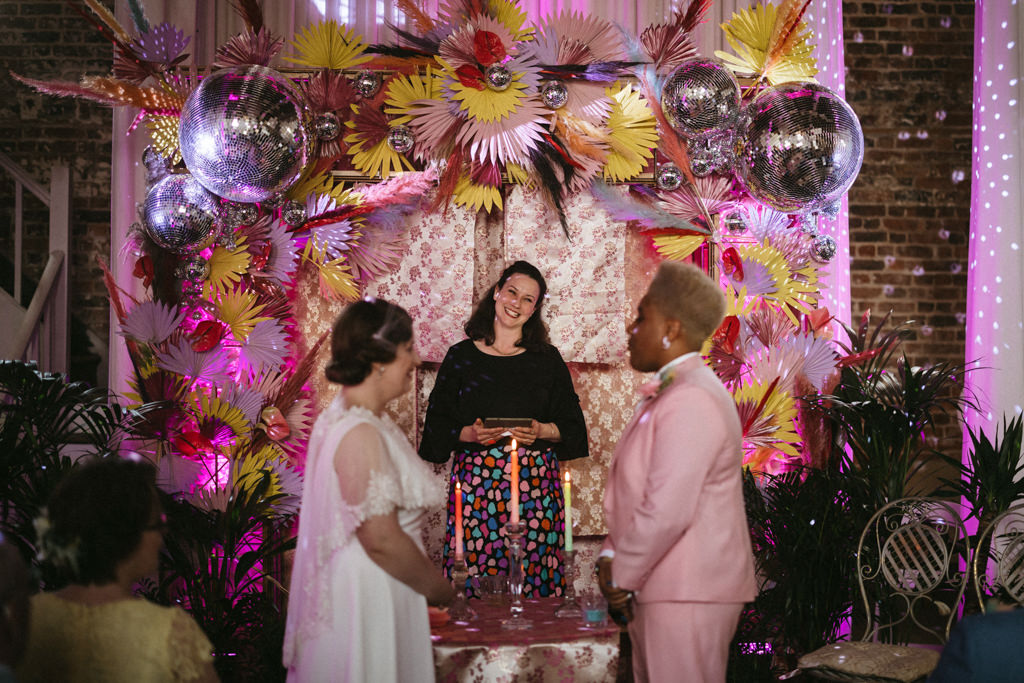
x=677, y=561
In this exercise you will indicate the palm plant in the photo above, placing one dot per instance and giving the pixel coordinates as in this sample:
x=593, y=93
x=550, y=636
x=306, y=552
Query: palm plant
x=804, y=527
x=883, y=407
x=40, y=414
x=993, y=477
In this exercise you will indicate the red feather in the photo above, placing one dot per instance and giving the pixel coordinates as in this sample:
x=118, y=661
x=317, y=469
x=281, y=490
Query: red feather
x=694, y=15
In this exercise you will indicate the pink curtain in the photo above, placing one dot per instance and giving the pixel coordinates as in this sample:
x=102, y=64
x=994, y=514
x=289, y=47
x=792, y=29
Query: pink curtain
x=995, y=276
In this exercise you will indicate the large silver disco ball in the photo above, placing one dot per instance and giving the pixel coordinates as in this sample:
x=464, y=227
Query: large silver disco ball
x=242, y=133
x=180, y=214
x=802, y=148
x=701, y=97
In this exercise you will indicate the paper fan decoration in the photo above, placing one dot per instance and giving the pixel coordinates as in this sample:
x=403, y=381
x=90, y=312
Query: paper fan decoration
x=227, y=266
x=329, y=45
x=180, y=359
x=714, y=191
x=669, y=45
x=163, y=132
x=677, y=247
x=370, y=150
x=248, y=47
x=335, y=276
x=767, y=273
x=329, y=95
x=215, y=416
x=240, y=311
x=151, y=322
x=477, y=195
x=266, y=346
x=767, y=415
x=631, y=134
x=767, y=49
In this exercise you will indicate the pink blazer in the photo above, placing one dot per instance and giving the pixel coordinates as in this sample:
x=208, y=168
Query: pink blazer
x=674, y=497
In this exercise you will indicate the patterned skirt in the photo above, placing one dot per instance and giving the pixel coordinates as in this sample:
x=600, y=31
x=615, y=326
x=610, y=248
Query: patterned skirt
x=485, y=477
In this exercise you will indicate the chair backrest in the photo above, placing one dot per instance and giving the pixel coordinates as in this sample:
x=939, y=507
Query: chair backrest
x=997, y=568
x=909, y=570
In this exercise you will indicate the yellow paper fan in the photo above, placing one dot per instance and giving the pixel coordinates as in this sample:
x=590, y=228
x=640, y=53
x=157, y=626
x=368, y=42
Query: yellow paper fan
x=632, y=134
x=513, y=18
x=488, y=105
x=379, y=160
x=677, y=247
x=405, y=91
x=468, y=193
x=750, y=32
x=335, y=276
x=226, y=268
x=163, y=131
x=774, y=425
x=311, y=182
x=797, y=289
x=213, y=408
x=239, y=311
x=737, y=304
x=246, y=470
x=329, y=45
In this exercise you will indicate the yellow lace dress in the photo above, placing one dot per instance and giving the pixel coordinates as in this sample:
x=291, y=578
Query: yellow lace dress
x=126, y=640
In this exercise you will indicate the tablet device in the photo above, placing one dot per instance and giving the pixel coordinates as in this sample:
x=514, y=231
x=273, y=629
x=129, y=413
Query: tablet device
x=507, y=422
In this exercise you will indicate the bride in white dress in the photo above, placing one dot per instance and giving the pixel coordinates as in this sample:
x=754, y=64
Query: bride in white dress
x=361, y=580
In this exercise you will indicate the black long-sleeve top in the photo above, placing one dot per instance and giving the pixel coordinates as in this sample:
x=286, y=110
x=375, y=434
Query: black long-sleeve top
x=472, y=384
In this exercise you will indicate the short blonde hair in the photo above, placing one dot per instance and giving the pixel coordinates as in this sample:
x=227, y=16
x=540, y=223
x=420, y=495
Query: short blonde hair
x=681, y=291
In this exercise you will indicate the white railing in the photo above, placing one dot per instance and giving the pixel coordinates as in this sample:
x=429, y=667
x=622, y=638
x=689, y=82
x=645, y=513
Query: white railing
x=41, y=330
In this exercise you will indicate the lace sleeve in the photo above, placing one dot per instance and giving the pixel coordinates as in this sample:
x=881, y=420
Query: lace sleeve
x=191, y=654
x=369, y=483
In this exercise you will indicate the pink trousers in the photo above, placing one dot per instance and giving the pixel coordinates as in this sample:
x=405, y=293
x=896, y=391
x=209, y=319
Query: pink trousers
x=682, y=642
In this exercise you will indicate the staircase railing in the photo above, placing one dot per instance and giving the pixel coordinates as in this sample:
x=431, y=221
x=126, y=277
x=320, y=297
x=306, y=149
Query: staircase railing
x=42, y=332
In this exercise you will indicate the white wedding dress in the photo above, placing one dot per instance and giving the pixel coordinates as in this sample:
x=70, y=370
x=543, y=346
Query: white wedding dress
x=348, y=620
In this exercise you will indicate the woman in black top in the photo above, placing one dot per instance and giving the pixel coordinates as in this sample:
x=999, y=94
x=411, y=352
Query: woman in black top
x=507, y=369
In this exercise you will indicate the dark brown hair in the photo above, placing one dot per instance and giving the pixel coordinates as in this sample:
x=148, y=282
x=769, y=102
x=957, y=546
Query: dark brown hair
x=98, y=513
x=481, y=324
x=367, y=332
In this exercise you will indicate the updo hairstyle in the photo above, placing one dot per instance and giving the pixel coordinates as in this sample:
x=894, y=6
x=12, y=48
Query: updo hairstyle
x=96, y=517
x=367, y=332
x=683, y=292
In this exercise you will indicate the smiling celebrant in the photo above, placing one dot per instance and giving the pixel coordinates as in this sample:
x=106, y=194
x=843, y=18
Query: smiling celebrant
x=505, y=382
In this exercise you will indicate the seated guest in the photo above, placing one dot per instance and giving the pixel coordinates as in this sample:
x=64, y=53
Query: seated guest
x=983, y=648
x=104, y=527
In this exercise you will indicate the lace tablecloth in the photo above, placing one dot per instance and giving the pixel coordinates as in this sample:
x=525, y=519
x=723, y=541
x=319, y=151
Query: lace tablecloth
x=553, y=650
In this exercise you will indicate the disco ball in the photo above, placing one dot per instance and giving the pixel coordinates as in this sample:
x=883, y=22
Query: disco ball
x=554, y=94
x=326, y=126
x=802, y=148
x=367, y=83
x=498, y=77
x=246, y=213
x=294, y=213
x=180, y=214
x=669, y=177
x=401, y=139
x=242, y=133
x=823, y=248
x=701, y=96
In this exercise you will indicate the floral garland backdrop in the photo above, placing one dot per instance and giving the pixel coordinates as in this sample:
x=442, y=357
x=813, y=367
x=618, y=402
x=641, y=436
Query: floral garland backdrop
x=369, y=169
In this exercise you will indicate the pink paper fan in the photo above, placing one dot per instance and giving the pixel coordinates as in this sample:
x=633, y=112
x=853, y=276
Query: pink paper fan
x=180, y=359
x=667, y=46
x=436, y=123
x=713, y=189
x=248, y=48
x=378, y=251
x=768, y=325
x=507, y=140
x=162, y=44
x=265, y=347
x=152, y=322
x=245, y=398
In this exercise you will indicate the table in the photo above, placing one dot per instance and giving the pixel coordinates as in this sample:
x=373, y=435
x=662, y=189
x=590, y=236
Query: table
x=553, y=650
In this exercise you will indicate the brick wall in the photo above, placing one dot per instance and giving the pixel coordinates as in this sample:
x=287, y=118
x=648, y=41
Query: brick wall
x=49, y=40
x=909, y=78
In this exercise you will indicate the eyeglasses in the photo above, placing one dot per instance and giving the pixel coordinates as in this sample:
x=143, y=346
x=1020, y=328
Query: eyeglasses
x=159, y=525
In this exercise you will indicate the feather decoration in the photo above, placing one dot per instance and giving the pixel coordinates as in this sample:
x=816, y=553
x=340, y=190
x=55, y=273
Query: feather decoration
x=382, y=246
x=419, y=18
x=407, y=188
x=139, y=16
x=250, y=12
x=581, y=138
x=785, y=33
x=671, y=144
x=109, y=20
x=542, y=157
x=449, y=178
x=694, y=15
x=427, y=45
x=621, y=207
x=120, y=92
x=603, y=72
x=64, y=89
